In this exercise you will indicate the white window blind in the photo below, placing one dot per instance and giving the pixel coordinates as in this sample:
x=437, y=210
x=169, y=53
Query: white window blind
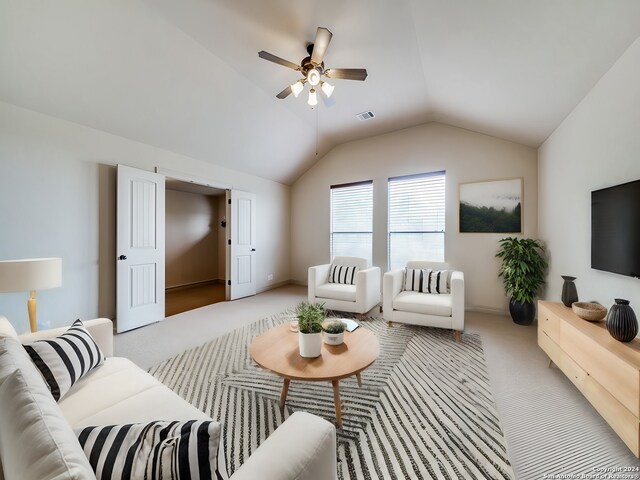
x=352, y=220
x=416, y=218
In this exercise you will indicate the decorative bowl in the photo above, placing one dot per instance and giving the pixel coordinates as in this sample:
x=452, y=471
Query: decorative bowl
x=592, y=312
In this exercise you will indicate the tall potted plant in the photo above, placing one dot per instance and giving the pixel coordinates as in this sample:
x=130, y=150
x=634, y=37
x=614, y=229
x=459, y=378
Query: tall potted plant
x=522, y=271
x=310, y=319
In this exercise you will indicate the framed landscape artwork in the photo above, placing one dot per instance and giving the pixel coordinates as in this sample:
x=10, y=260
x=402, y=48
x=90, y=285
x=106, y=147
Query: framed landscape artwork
x=491, y=206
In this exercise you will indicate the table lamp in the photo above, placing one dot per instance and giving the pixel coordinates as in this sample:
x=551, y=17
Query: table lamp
x=30, y=275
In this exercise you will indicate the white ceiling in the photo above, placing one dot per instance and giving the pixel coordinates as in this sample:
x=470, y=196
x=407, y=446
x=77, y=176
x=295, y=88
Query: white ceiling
x=185, y=75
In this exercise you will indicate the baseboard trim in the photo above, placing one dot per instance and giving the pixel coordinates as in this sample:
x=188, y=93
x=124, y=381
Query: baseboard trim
x=274, y=285
x=490, y=310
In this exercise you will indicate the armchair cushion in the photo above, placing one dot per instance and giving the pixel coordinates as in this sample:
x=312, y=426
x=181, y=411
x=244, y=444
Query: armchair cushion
x=423, y=303
x=426, y=280
x=337, y=291
x=343, y=274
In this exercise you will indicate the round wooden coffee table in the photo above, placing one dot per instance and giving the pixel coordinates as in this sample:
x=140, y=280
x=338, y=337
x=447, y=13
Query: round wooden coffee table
x=277, y=351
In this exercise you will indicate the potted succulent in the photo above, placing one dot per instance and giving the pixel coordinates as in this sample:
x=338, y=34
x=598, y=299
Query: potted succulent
x=310, y=319
x=522, y=271
x=333, y=332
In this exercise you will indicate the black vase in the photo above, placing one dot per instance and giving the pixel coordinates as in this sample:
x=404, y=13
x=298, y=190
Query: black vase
x=522, y=313
x=569, y=292
x=621, y=321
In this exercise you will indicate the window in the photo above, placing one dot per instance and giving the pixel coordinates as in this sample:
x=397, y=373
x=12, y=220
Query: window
x=352, y=220
x=416, y=218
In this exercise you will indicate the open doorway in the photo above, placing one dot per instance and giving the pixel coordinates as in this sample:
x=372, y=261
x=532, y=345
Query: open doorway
x=195, y=268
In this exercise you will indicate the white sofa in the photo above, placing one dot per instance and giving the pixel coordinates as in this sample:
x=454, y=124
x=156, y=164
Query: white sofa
x=118, y=392
x=358, y=298
x=426, y=309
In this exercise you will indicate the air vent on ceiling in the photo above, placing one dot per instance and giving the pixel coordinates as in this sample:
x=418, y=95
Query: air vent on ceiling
x=365, y=116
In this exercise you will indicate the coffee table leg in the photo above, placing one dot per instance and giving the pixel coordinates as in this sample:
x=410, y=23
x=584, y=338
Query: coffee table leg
x=336, y=400
x=359, y=378
x=285, y=390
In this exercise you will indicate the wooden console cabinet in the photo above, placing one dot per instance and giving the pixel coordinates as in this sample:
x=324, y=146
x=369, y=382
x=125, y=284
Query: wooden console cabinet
x=606, y=372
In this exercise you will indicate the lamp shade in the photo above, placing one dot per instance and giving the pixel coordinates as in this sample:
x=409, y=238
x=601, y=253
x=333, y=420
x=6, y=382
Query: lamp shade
x=313, y=98
x=30, y=274
x=296, y=88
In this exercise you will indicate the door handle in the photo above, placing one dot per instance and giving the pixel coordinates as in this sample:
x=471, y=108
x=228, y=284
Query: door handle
x=122, y=257
x=253, y=249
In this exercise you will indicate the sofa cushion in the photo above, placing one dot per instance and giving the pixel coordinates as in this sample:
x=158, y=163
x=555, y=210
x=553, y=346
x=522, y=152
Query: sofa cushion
x=425, y=303
x=343, y=274
x=336, y=291
x=6, y=329
x=426, y=280
x=66, y=359
x=36, y=442
x=157, y=450
x=120, y=392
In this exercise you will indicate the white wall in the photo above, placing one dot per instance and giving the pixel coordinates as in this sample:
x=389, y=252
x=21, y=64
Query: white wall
x=191, y=233
x=597, y=146
x=57, y=198
x=466, y=156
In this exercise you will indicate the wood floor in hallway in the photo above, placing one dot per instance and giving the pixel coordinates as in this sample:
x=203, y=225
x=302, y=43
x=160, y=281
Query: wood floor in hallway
x=183, y=299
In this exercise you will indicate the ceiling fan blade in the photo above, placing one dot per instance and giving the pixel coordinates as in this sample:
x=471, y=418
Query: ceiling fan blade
x=284, y=93
x=347, y=73
x=278, y=60
x=323, y=37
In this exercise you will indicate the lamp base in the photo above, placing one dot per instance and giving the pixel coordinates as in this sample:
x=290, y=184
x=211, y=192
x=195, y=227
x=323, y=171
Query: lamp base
x=31, y=307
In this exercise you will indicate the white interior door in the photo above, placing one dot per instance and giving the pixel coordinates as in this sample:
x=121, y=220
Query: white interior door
x=242, y=244
x=140, y=248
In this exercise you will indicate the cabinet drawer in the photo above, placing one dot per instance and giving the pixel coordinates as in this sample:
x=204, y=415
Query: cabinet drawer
x=616, y=376
x=549, y=323
x=570, y=368
x=550, y=347
x=573, y=371
x=623, y=422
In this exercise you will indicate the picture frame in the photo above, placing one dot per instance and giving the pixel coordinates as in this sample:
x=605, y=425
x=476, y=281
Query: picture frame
x=491, y=206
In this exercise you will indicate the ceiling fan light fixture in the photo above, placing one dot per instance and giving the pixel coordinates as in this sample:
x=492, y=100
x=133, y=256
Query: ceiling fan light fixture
x=313, y=98
x=313, y=77
x=327, y=88
x=296, y=88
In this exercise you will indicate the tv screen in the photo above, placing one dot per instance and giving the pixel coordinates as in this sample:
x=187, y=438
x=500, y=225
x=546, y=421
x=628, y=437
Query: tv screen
x=615, y=229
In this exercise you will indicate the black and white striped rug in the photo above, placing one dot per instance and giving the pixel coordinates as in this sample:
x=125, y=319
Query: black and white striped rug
x=424, y=410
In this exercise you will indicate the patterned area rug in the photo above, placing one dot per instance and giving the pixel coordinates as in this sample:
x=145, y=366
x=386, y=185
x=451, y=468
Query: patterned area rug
x=424, y=409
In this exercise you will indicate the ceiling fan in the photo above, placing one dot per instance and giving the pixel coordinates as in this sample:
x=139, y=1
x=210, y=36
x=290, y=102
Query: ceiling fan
x=312, y=69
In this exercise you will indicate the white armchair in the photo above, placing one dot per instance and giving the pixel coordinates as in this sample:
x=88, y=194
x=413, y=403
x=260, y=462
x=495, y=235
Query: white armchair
x=358, y=298
x=426, y=309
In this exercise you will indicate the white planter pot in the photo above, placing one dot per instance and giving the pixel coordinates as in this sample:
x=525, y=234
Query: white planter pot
x=310, y=344
x=333, y=338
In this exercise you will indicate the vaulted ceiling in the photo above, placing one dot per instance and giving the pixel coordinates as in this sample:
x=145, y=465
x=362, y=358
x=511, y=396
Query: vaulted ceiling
x=184, y=75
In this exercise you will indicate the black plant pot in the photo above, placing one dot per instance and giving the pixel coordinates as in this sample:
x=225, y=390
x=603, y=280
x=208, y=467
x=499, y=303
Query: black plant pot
x=522, y=313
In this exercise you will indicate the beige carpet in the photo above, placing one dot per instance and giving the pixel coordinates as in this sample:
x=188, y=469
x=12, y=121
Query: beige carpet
x=423, y=411
x=549, y=427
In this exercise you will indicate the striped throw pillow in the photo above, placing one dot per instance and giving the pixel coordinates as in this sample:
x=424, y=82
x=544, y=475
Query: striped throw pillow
x=157, y=450
x=425, y=280
x=64, y=360
x=342, y=274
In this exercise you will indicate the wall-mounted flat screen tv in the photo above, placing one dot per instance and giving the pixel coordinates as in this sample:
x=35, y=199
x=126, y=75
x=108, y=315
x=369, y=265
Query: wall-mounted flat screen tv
x=615, y=229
